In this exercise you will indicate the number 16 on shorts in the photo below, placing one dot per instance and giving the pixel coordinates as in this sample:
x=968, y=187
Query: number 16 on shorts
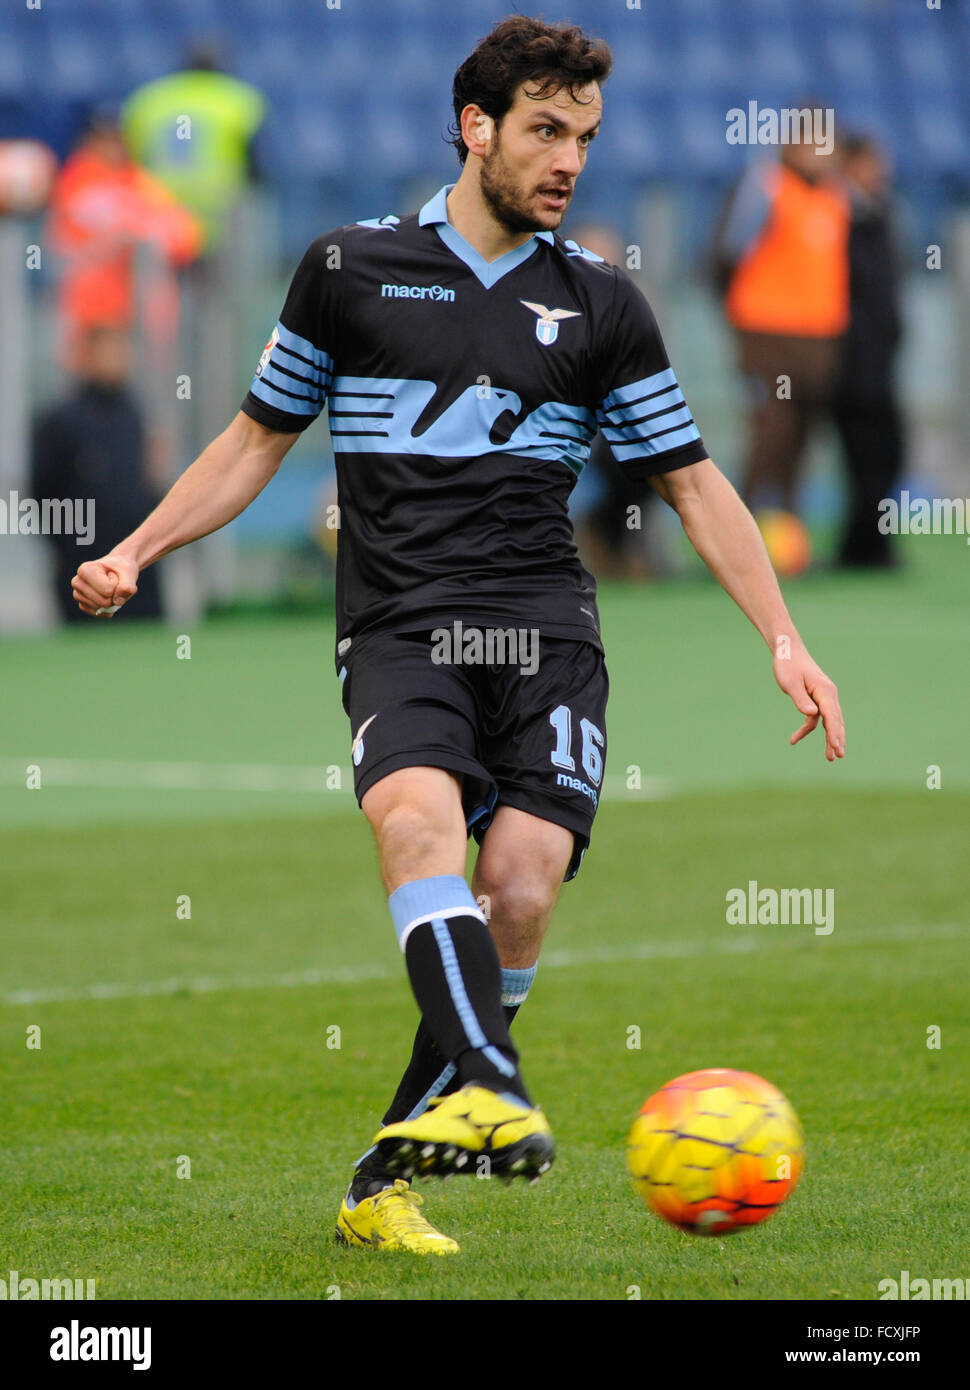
x=591, y=740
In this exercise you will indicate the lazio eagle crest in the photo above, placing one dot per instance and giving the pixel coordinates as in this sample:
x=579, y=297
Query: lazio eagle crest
x=547, y=324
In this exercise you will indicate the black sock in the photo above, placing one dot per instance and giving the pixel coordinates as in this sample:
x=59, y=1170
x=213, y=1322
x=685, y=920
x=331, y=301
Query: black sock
x=425, y=1069
x=457, y=981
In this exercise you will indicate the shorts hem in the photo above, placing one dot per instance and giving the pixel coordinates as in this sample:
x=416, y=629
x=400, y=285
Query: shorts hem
x=396, y=762
x=548, y=810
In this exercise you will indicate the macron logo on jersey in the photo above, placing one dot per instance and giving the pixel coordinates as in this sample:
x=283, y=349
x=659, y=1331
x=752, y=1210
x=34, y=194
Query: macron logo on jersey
x=433, y=292
x=547, y=326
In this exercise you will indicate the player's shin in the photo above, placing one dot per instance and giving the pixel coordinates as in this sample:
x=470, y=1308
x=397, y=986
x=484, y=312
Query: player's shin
x=457, y=980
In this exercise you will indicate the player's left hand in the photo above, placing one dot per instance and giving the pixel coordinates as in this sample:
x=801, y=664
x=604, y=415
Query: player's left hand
x=814, y=695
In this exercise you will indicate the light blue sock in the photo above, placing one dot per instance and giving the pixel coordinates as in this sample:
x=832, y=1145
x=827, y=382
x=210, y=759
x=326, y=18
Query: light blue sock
x=516, y=984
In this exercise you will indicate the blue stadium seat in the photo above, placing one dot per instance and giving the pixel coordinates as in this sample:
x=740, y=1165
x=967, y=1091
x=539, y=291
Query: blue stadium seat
x=76, y=65
x=853, y=58
x=775, y=54
x=478, y=16
x=309, y=141
x=701, y=135
x=639, y=138
x=930, y=63
x=705, y=61
x=145, y=51
x=14, y=63
x=644, y=64
x=941, y=143
x=867, y=113
x=701, y=14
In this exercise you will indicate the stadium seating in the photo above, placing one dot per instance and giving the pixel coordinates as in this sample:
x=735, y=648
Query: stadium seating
x=362, y=92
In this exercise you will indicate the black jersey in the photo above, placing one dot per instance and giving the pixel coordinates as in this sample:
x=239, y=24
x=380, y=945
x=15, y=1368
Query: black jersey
x=462, y=397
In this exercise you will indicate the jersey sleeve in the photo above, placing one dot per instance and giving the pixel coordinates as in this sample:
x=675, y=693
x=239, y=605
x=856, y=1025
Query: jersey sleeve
x=639, y=406
x=295, y=372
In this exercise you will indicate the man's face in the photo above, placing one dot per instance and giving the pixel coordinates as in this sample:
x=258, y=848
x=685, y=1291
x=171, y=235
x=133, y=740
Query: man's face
x=535, y=157
x=108, y=145
x=812, y=162
x=869, y=171
x=107, y=357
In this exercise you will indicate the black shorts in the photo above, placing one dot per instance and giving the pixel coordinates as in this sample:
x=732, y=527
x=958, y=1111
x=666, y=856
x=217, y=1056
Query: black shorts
x=533, y=741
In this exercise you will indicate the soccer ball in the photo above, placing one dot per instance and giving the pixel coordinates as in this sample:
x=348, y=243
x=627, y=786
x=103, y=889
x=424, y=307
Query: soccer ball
x=787, y=542
x=715, y=1151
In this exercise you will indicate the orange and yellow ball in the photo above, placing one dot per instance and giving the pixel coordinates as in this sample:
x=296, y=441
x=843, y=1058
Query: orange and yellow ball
x=715, y=1151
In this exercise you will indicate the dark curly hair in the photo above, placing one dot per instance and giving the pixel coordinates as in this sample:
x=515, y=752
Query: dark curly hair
x=520, y=49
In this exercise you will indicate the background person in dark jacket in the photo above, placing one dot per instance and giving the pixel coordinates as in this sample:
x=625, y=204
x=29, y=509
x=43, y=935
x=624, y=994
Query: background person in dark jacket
x=92, y=446
x=865, y=406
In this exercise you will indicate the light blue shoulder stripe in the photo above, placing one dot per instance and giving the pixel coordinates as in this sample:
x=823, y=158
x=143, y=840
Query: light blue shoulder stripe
x=624, y=395
x=293, y=405
x=621, y=415
x=304, y=347
x=649, y=429
x=658, y=445
x=297, y=376
x=272, y=376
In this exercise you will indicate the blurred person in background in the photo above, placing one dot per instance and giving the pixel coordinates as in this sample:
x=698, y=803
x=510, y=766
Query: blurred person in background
x=866, y=410
x=601, y=501
x=194, y=130
x=782, y=261
x=92, y=445
x=103, y=207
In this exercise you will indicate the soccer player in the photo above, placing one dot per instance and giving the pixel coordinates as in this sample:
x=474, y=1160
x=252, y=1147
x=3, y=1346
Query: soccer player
x=467, y=354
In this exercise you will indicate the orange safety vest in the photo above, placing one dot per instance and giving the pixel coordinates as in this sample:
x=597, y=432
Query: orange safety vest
x=97, y=213
x=795, y=278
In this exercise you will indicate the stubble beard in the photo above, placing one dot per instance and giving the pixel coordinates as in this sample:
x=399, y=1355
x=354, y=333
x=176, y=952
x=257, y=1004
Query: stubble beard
x=503, y=197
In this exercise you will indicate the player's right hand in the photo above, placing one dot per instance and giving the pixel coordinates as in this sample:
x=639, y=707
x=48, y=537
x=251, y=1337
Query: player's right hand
x=101, y=586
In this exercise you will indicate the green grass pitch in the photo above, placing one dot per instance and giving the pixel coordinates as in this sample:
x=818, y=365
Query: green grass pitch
x=164, y=1037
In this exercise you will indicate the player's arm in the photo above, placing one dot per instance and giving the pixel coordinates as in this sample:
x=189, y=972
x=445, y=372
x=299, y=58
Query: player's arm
x=221, y=483
x=726, y=537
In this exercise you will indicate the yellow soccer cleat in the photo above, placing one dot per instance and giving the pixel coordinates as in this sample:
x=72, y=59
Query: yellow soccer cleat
x=472, y=1131
x=390, y=1220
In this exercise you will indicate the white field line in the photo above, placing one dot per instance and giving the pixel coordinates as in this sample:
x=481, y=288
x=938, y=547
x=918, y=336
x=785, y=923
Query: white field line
x=248, y=777
x=172, y=776
x=771, y=939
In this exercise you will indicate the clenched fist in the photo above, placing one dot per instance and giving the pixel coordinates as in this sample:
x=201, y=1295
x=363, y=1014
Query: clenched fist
x=102, y=586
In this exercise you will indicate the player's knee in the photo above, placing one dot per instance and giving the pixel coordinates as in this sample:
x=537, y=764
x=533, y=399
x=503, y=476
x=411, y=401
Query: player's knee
x=415, y=832
x=521, y=904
